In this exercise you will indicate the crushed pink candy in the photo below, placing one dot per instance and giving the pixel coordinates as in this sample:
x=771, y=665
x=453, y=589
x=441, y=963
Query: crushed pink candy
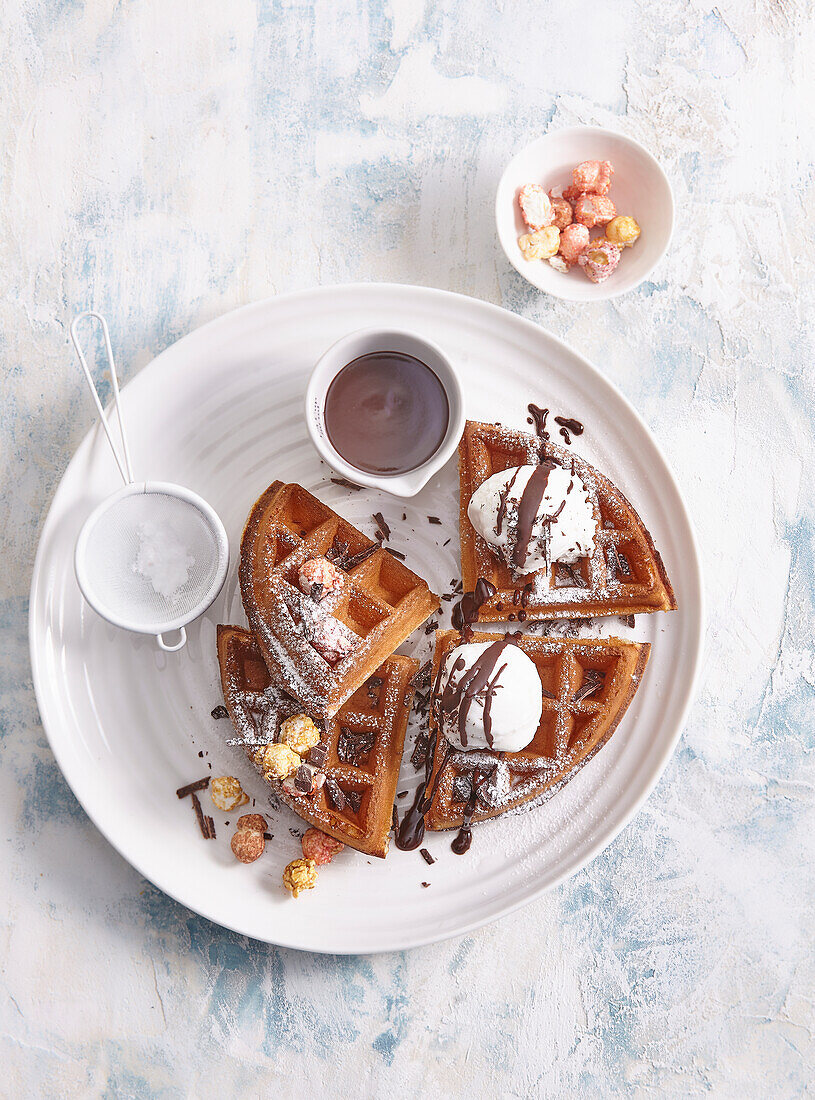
x=318, y=577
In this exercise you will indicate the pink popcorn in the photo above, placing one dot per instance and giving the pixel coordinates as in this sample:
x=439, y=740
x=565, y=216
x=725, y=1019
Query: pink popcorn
x=599, y=259
x=535, y=206
x=332, y=639
x=573, y=240
x=318, y=577
x=561, y=211
x=320, y=847
x=592, y=210
x=594, y=176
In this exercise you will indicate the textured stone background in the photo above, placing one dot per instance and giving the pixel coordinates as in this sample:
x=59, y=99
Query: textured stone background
x=166, y=160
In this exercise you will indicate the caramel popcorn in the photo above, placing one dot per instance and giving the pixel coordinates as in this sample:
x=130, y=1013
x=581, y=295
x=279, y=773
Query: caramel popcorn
x=300, y=874
x=541, y=244
x=253, y=821
x=279, y=761
x=623, y=231
x=227, y=793
x=299, y=733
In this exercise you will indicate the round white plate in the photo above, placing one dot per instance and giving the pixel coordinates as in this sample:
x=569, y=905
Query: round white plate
x=221, y=412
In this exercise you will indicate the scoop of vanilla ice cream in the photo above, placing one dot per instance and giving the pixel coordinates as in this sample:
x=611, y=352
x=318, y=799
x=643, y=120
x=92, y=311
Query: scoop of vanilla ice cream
x=516, y=700
x=572, y=533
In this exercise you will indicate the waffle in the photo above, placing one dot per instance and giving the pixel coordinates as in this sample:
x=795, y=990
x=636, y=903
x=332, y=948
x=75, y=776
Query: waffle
x=383, y=601
x=570, y=732
x=625, y=574
x=256, y=708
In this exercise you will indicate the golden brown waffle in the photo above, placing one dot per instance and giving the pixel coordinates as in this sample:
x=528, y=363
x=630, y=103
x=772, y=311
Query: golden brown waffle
x=383, y=602
x=378, y=712
x=625, y=574
x=572, y=728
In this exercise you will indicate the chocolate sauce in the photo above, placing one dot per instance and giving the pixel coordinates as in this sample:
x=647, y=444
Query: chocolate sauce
x=568, y=425
x=464, y=837
x=528, y=510
x=503, y=500
x=538, y=418
x=465, y=612
x=459, y=697
x=386, y=413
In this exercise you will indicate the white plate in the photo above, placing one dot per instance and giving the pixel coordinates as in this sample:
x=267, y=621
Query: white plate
x=221, y=412
x=640, y=188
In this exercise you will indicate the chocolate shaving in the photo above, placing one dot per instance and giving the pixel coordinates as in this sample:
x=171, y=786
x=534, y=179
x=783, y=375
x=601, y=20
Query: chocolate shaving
x=220, y=712
x=395, y=820
x=373, y=685
x=569, y=576
x=191, y=788
x=434, y=519
x=422, y=676
x=548, y=694
x=384, y=531
x=318, y=754
x=335, y=793
x=446, y=542
x=268, y=836
x=395, y=554
x=592, y=682
x=627, y=620
x=296, y=833
x=431, y=625
x=358, y=559
x=345, y=483
x=425, y=884
x=337, y=551
x=205, y=824
x=353, y=746
x=426, y=856
x=402, y=794
x=354, y=800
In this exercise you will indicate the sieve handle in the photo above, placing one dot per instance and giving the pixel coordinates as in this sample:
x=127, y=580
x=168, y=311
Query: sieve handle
x=123, y=461
x=182, y=641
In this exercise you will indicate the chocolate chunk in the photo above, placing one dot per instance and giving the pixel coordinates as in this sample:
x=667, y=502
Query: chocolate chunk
x=628, y=620
x=353, y=746
x=426, y=856
x=318, y=754
x=302, y=779
x=418, y=757
x=198, y=785
x=220, y=711
x=335, y=793
x=354, y=800
x=462, y=788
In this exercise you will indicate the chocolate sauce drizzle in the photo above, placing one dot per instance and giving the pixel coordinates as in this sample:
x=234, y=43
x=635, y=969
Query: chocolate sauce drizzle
x=531, y=498
x=538, y=418
x=459, y=697
x=465, y=612
x=567, y=424
x=503, y=500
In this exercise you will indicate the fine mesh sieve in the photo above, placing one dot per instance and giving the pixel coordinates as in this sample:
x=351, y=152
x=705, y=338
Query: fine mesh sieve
x=153, y=556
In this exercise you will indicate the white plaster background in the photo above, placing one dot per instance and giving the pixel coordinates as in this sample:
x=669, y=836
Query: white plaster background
x=166, y=160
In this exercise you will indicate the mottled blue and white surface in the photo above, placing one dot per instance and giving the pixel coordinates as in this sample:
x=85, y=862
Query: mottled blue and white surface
x=166, y=161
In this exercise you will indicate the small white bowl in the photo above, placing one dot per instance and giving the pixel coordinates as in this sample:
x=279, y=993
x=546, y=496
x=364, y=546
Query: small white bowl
x=639, y=188
x=364, y=342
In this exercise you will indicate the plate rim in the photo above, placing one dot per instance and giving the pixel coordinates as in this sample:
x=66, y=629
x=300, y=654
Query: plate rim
x=595, y=847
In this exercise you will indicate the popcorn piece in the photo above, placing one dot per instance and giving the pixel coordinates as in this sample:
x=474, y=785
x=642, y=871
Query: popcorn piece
x=257, y=822
x=599, y=259
x=248, y=845
x=591, y=210
x=573, y=240
x=319, y=847
x=299, y=733
x=300, y=874
x=623, y=231
x=593, y=175
x=561, y=211
x=559, y=264
x=279, y=761
x=318, y=577
x=227, y=793
x=541, y=244
x=535, y=206
x=332, y=639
